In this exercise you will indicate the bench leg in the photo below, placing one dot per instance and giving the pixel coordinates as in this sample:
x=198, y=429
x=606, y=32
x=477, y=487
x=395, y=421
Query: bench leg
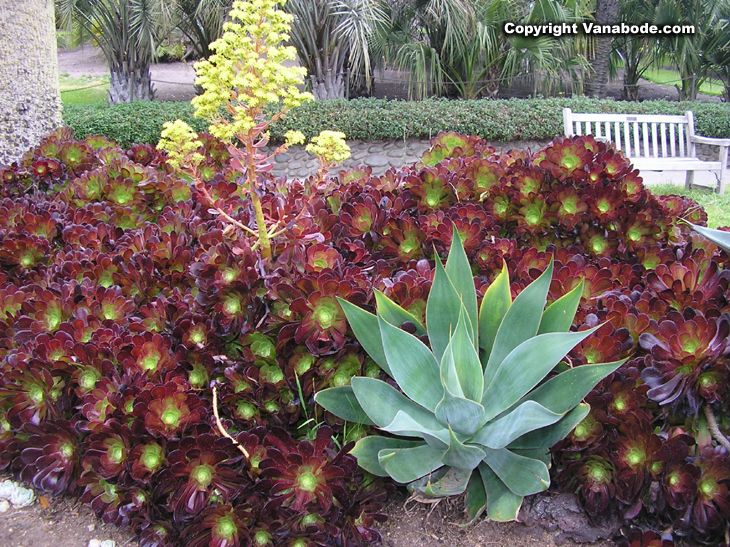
x=721, y=181
x=723, y=171
x=689, y=180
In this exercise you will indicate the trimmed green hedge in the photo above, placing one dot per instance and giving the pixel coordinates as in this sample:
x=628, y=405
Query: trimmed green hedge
x=372, y=119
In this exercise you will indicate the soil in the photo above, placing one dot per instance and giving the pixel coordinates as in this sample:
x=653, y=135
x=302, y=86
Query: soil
x=549, y=520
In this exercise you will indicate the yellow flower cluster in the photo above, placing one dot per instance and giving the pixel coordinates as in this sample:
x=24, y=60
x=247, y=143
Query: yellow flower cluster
x=181, y=143
x=329, y=147
x=294, y=137
x=246, y=72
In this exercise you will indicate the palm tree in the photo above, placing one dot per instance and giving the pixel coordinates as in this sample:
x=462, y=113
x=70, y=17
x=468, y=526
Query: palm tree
x=30, y=103
x=201, y=21
x=688, y=51
x=126, y=31
x=548, y=61
x=635, y=53
x=606, y=12
x=456, y=47
x=333, y=37
x=718, y=48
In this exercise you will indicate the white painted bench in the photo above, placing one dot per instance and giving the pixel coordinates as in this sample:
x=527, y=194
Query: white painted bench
x=653, y=142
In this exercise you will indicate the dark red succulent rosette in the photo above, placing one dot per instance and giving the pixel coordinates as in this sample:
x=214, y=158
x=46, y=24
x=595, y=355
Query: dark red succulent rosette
x=649, y=538
x=684, y=347
x=201, y=468
x=49, y=457
x=711, y=507
x=221, y=526
x=301, y=475
x=591, y=476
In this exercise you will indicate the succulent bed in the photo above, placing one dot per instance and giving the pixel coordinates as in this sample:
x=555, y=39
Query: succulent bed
x=137, y=326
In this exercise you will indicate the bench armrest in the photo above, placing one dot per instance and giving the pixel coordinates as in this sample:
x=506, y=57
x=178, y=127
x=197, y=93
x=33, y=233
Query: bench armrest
x=710, y=140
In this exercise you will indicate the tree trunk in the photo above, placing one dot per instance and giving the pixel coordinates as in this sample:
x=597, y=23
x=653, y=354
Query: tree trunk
x=595, y=86
x=130, y=85
x=30, y=103
x=328, y=86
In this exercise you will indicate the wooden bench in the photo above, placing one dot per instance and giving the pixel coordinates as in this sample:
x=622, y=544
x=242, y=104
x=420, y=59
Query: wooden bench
x=653, y=142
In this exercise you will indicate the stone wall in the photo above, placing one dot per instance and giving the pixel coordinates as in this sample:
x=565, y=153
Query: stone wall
x=380, y=155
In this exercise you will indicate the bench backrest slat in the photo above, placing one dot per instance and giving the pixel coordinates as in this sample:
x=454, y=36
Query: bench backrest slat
x=681, y=140
x=637, y=135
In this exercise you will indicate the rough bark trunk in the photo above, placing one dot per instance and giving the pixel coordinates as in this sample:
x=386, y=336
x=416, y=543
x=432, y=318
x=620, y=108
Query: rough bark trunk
x=30, y=103
x=595, y=86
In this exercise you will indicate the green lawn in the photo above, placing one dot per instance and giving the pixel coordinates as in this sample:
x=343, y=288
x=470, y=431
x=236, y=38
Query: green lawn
x=671, y=77
x=83, y=90
x=717, y=206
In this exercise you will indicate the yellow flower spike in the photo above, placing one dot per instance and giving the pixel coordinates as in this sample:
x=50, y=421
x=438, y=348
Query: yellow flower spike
x=181, y=143
x=329, y=147
x=294, y=137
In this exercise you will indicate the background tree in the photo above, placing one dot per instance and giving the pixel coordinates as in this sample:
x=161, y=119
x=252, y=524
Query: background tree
x=126, y=31
x=688, y=52
x=595, y=86
x=635, y=53
x=332, y=39
x=718, y=48
x=457, y=47
x=30, y=104
x=201, y=21
x=550, y=63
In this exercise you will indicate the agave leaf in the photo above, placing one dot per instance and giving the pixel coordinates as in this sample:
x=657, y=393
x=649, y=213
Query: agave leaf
x=460, y=274
x=449, y=376
x=461, y=370
x=495, y=304
x=405, y=425
x=366, y=451
x=367, y=331
x=523, y=476
x=413, y=366
x=540, y=454
x=381, y=402
x=408, y=464
x=394, y=314
x=461, y=455
x=568, y=388
x=440, y=485
x=442, y=311
x=520, y=323
x=502, y=504
x=341, y=402
x=558, y=317
x=476, y=498
x=525, y=366
x=718, y=237
x=546, y=437
x=523, y=419
x=461, y=415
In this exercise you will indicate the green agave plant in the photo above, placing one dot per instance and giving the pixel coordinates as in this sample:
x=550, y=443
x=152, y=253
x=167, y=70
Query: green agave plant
x=474, y=413
x=718, y=237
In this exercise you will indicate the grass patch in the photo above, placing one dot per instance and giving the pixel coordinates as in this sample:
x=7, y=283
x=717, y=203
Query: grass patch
x=717, y=206
x=671, y=77
x=83, y=90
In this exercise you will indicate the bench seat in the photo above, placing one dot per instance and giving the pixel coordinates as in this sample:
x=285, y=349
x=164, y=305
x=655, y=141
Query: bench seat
x=653, y=142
